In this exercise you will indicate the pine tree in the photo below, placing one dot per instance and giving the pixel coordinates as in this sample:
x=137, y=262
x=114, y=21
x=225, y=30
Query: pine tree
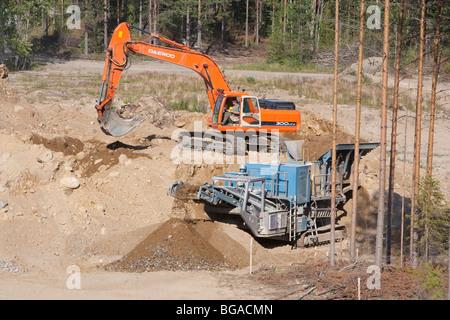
x=333, y=157
x=390, y=203
x=357, y=132
x=417, y=140
x=382, y=176
x=432, y=219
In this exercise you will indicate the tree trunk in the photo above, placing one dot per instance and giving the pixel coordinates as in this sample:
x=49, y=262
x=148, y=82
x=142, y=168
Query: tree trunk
x=118, y=11
x=390, y=204
x=2, y=40
x=417, y=141
x=224, y=25
x=155, y=17
x=448, y=266
x=105, y=23
x=319, y=21
x=257, y=24
x=382, y=175
x=433, y=92
x=246, y=24
x=402, y=230
x=312, y=26
x=188, y=24
x=284, y=19
x=62, y=14
x=140, y=18
x=150, y=20
x=357, y=132
x=86, y=35
x=199, y=26
x=333, y=156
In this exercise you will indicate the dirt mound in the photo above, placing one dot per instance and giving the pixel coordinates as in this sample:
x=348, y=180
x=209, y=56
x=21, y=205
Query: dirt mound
x=174, y=246
x=158, y=114
x=318, y=135
x=91, y=155
x=64, y=144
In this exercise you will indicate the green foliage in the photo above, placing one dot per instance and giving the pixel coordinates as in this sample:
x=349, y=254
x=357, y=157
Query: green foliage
x=447, y=67
x=251, y=80
x=433, y=220
x=431, y=277
x=294, y=32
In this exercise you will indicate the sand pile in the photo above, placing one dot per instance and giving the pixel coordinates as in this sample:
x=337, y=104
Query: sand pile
x=174, y=246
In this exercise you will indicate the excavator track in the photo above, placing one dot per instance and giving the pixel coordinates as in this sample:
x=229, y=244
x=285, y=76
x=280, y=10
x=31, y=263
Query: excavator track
x=237, y=146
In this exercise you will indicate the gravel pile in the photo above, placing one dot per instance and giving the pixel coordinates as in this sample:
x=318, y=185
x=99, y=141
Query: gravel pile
x=174, y=246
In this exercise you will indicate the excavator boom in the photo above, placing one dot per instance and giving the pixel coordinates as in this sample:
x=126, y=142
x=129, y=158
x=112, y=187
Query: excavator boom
x=117, y=59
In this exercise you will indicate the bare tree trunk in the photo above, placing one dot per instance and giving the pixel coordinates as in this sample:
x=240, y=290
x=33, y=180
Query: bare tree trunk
x=155, y=17
x=319, y=21
x=312, y=25
x=86, y=35
x=273, y=17
x=246, y=24
x=105, y=23
x=118, y=11
x=382, y=175
x=150, y=19
x=357, y=132
x=433, y=92
x=448, y=266
x=224, y=24
x=199, y=26
x=284, y=19
x=333, y=156
x=62, y=14
x=2, y=46
x=140, y=17
x=404, y=191
x=417, y=142
x=188, y=23
x=390, y=203
x=257, y=23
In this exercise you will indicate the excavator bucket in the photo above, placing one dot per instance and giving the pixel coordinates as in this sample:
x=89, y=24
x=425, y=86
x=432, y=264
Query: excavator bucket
x=115, y=125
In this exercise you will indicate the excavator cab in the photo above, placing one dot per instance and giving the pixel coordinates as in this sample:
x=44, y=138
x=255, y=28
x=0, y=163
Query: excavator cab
x=236, y=111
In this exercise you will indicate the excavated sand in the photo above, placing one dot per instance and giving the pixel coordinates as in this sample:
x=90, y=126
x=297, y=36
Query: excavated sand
x=175, y=246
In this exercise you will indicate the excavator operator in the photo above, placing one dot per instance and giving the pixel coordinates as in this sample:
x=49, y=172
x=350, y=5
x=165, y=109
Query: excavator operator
x=231, y=114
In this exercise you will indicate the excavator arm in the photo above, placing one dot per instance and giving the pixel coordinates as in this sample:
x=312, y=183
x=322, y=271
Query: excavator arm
x=117, y=59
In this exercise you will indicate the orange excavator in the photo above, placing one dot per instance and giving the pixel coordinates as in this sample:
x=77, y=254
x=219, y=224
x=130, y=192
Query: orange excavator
x=230, y=110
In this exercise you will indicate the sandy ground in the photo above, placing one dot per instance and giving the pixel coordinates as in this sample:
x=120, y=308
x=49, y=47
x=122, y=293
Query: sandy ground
x=76, y=197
